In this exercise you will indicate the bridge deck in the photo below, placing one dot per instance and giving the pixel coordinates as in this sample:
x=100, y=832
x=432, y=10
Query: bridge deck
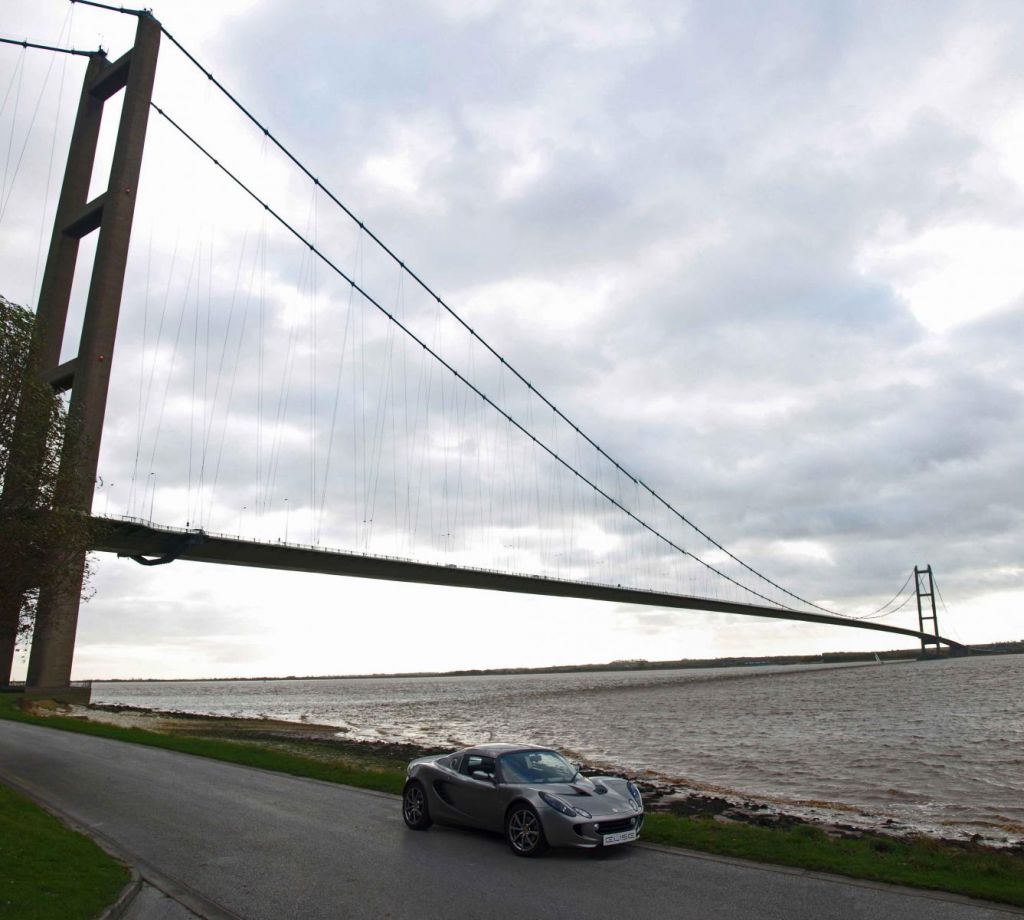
x=139, y=540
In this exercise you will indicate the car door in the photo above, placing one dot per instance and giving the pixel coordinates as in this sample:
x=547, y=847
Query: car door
x=473, y=792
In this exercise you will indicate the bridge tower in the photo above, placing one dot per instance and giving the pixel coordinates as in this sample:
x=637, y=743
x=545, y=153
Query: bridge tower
x=87, y=375
x=924, y=584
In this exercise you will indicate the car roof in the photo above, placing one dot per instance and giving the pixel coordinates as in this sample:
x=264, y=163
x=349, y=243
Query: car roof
x=493, y=749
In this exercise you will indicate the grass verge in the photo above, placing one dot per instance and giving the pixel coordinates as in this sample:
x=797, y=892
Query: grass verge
x=920, y=862
x=50, y=871
x=967, y=869
x=382, y=779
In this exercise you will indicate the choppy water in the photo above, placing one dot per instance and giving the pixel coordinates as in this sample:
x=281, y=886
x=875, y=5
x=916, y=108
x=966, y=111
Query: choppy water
x=931, y=744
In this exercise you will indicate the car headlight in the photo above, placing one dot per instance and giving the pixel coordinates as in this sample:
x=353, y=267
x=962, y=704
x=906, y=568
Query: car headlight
x=563, y=807
x=634, y=793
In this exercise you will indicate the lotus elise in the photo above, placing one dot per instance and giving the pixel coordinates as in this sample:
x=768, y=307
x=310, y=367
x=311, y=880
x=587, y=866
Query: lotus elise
x=532, y=795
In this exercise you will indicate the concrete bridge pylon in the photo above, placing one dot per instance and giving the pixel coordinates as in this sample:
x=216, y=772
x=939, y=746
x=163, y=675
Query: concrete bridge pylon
x=87, y=375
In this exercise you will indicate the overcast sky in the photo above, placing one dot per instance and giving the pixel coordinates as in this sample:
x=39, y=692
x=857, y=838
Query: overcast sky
x=767, y=255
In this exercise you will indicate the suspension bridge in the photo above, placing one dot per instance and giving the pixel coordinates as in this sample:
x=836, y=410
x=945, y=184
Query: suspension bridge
x=293, y=375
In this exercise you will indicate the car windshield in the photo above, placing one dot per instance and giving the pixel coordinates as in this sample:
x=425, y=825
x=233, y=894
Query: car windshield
x=536, y=767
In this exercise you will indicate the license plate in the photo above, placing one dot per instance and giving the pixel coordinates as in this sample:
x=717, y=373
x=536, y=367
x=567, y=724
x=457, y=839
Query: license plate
x=623, y=837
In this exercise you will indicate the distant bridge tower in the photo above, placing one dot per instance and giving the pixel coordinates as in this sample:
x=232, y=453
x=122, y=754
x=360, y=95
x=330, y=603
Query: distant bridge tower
x=87, y=375
x=924, y=584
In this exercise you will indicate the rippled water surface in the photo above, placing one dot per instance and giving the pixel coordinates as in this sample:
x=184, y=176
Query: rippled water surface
x=929, y=743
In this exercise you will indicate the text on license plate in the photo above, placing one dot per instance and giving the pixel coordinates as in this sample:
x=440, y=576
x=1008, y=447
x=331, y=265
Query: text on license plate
x=623, y=837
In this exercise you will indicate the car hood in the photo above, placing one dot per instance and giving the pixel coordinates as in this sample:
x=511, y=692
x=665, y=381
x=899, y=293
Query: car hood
x=609, y=804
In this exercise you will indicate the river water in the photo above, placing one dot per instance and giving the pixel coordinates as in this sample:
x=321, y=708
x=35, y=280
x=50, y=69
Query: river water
x=933, y=745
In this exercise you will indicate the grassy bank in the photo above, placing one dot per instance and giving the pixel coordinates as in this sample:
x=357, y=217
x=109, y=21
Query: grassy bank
x=979, y=872
x=49, y=871
x=967, y=869
x=376, y=774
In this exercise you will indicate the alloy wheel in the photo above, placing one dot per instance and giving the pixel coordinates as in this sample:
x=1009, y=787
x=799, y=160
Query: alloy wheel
x=413, y=805
x=523, y=830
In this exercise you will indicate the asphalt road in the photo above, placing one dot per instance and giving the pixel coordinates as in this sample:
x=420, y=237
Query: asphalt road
x=237, y=842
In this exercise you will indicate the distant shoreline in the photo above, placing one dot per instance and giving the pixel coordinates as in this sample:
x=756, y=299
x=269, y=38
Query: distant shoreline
x=630, y=665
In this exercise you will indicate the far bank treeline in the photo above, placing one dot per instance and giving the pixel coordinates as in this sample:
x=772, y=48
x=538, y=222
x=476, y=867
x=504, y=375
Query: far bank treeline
x=630, y=664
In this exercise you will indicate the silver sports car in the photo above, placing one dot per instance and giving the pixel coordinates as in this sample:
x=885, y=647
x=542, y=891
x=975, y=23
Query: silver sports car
x=532, y=795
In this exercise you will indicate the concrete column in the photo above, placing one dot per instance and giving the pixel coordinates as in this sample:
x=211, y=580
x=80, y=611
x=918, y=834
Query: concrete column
x=21, y=482
x=57, y=615
x=53, y=642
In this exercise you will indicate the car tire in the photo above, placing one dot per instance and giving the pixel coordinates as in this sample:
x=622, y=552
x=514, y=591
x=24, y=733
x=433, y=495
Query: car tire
x=523, y=831
x=415, y=810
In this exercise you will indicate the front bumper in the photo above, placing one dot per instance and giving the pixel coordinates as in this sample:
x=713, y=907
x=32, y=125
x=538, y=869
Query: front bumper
x=562, y=831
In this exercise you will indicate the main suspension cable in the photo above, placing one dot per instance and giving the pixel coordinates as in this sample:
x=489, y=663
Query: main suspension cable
x=21, y=43
x=878, y=614
x=127, y=10
x=429, y=291
x=437, y=357
x=473, y=333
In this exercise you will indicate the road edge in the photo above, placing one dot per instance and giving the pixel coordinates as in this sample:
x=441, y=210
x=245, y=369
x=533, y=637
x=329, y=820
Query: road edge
x=130, y=891
x=931, y=894
x=211, y=910
x=142, y=872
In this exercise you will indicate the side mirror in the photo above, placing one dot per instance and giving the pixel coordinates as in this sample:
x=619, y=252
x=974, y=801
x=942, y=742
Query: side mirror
x=483, y=776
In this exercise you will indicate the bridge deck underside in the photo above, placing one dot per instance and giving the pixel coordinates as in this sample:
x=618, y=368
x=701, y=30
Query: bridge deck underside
x=134, y=539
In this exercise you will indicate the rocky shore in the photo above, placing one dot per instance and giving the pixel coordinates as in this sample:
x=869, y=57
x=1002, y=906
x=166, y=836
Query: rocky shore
x=835, y=819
